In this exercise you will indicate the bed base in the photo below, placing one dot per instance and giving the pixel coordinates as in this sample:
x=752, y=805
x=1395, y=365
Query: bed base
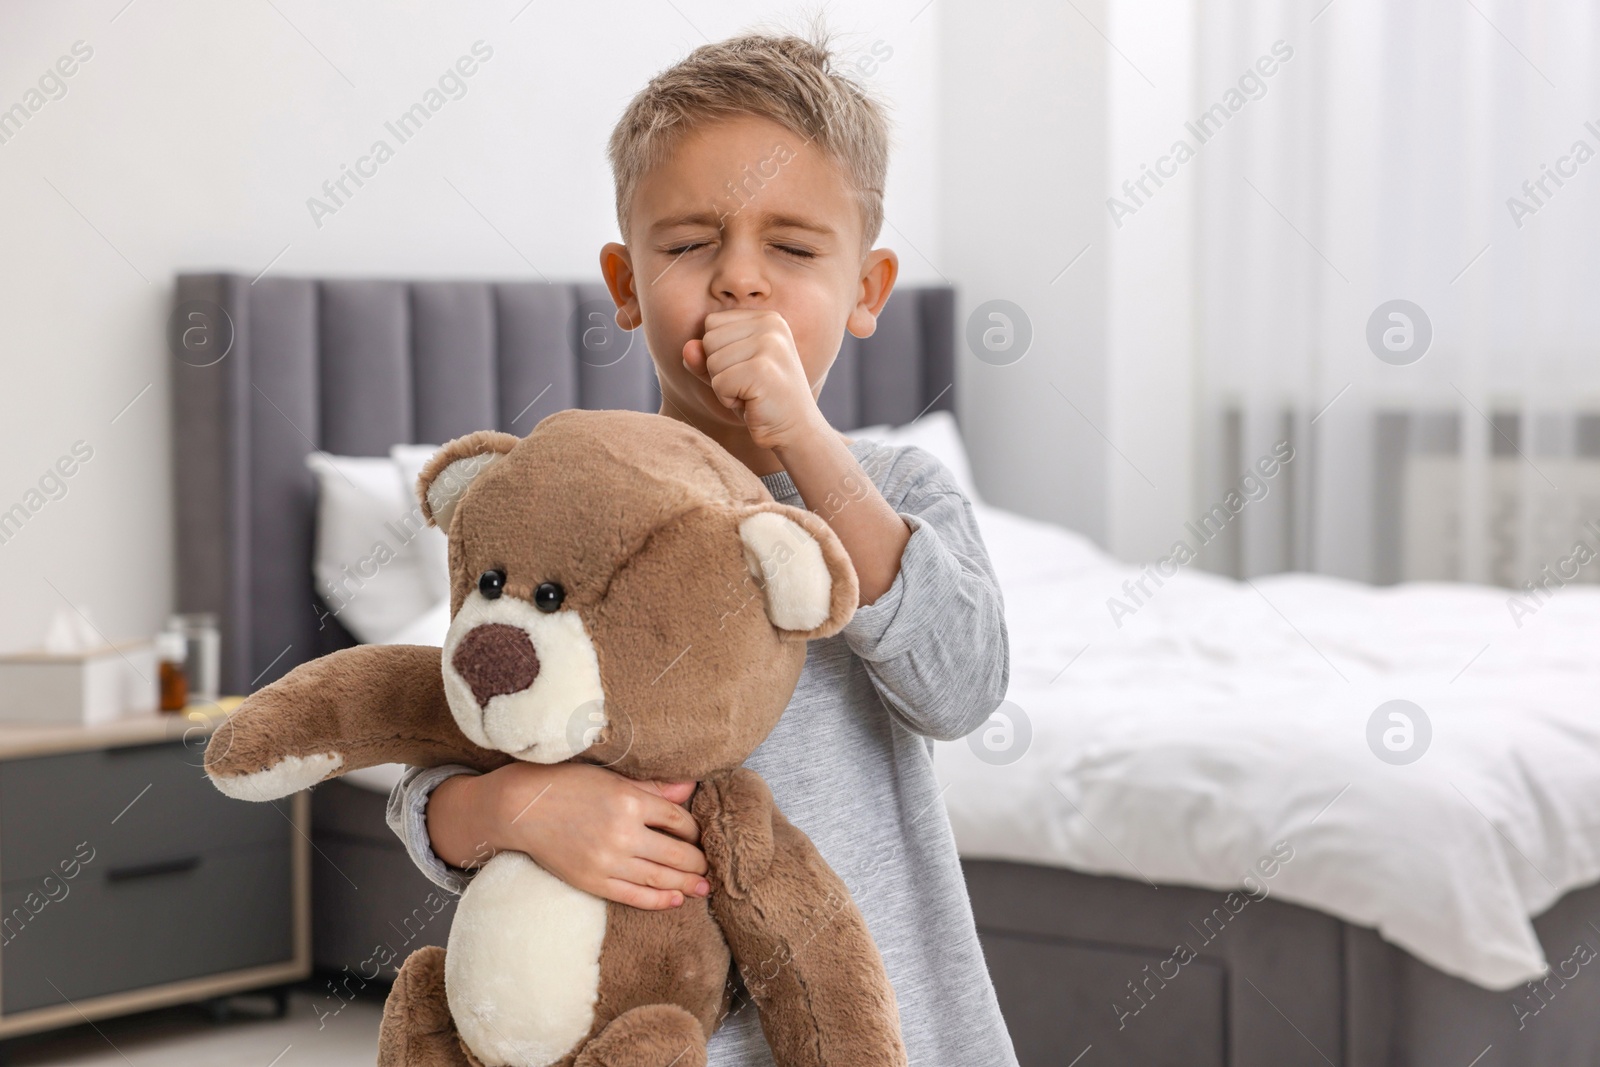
x=1273, y=985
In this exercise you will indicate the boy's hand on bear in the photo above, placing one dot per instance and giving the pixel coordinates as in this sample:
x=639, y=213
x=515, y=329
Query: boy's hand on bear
x=611, y=836
x=749, y=359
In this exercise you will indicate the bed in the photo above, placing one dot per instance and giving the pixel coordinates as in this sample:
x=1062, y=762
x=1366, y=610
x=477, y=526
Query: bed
x=1192, y=856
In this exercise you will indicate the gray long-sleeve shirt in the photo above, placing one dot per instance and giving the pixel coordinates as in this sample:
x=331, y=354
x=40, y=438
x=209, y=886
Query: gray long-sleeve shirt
x=851, y=764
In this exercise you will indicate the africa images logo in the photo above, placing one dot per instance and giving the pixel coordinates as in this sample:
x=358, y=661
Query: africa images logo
x=451, y=85
x=1399, y=332
x=1252, y=86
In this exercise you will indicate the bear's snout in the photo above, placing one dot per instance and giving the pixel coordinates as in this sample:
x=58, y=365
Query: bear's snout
x=522, y=680
x=494, y=659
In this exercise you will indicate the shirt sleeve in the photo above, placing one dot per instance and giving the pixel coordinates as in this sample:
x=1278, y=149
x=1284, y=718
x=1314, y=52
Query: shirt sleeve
x=407, y=816
x=934, y=643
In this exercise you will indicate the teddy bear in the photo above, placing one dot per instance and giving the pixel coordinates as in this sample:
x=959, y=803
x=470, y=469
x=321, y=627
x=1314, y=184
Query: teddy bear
x=622, y=592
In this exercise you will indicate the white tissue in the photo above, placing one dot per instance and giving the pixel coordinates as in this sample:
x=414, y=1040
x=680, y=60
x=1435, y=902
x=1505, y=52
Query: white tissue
x=70, y=632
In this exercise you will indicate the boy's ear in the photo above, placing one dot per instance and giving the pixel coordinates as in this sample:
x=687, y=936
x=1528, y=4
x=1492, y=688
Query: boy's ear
x=453, y=468
x=878, y=273
x=804, y=572
x=616, y=267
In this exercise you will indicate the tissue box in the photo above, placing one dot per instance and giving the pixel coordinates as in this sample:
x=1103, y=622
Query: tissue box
x=79, y=688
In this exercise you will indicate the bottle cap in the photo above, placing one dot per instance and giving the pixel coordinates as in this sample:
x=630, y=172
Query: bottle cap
x=169, y=646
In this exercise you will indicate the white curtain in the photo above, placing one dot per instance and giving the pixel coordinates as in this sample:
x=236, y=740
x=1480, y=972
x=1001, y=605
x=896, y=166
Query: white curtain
x=1379, y=163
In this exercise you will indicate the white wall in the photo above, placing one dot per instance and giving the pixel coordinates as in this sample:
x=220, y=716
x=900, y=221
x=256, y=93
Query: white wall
x=1023, y=161
x=192, y=138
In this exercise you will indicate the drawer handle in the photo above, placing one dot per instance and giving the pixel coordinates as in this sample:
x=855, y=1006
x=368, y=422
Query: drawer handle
x=152, y=870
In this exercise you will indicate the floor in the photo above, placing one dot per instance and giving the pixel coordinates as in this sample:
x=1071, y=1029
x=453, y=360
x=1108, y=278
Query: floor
x=320, y=1030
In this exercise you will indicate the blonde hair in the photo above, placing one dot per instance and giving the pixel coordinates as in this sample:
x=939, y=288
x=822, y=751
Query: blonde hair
x=788, y=79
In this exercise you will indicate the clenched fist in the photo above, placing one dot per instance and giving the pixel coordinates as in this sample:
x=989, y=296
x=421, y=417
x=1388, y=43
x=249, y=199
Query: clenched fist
x=749, y=359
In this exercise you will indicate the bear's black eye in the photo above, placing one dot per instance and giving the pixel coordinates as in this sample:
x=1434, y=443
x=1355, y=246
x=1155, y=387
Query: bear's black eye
x=491, y=584
x=548, y=597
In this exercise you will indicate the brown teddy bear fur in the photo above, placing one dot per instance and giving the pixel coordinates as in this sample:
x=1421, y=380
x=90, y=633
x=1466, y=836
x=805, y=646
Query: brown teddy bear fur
x=638, y=518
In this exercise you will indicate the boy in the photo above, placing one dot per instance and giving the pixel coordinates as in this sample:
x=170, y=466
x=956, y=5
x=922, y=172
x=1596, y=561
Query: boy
x=744, y=288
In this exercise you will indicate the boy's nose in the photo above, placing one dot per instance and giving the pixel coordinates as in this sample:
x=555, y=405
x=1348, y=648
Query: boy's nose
x=732, y=300
x=494, y=659
x=739, y=280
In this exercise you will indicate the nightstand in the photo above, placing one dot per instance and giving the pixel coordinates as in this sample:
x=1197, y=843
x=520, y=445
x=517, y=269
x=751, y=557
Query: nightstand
x=127, y=881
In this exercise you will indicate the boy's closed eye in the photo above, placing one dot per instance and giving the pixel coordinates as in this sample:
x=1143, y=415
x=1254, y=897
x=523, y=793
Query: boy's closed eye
x=793, y=250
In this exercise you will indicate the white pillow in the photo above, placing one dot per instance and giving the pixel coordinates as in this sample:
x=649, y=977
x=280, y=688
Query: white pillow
x=429, y=628
x=375, y=559
x=935, y=433
x=435, y=549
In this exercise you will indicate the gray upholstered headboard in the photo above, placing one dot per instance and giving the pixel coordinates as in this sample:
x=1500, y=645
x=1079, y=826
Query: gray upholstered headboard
x=354, y=366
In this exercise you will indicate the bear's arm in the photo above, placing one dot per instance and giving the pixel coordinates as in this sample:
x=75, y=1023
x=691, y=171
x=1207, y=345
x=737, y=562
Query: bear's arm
x=355, y=708
x=799, y=941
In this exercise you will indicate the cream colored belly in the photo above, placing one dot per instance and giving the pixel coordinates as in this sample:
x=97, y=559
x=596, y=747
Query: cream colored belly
x=522, y=968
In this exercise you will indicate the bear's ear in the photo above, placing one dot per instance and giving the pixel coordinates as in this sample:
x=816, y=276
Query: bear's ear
x=802, y=568
x=453, y=468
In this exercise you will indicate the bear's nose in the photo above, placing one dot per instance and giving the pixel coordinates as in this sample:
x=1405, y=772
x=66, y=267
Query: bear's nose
x=496, y=658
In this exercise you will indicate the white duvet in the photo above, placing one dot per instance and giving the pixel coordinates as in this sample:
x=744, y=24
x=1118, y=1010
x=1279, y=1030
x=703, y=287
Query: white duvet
x=1222, y=718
